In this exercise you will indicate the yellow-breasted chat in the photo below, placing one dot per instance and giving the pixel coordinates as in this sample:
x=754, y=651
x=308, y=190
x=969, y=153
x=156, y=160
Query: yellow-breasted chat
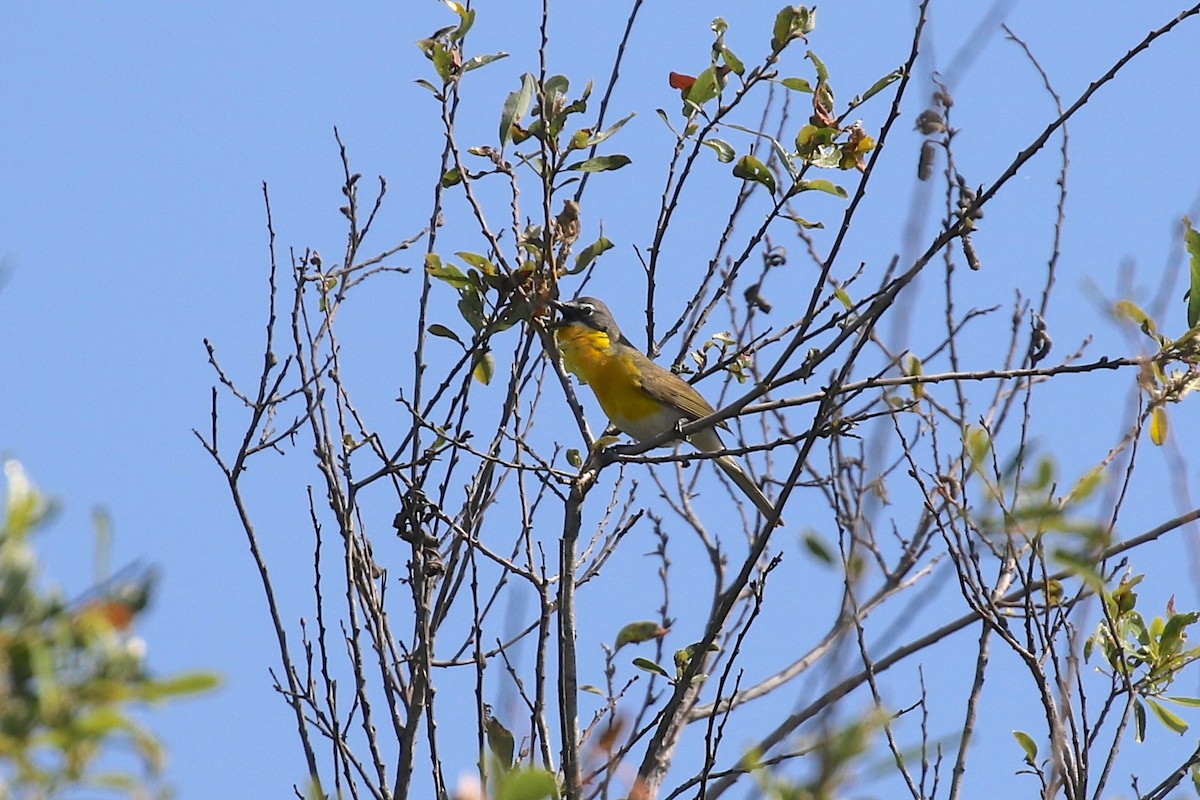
x=641, y=398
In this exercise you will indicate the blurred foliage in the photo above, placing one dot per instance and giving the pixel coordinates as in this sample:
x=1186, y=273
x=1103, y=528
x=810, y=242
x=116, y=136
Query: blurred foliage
x=71, y=672
x=1173, y=371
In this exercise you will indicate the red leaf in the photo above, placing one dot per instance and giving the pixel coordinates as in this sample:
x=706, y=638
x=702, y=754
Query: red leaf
x=680, y=81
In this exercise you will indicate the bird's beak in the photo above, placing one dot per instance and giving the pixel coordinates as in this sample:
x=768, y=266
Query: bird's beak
x=560, y=307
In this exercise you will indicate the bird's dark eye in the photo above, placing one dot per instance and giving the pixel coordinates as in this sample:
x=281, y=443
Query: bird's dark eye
x=587, y=309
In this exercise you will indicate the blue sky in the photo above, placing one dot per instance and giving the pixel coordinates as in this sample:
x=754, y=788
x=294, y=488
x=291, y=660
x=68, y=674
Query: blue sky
x=136, y=139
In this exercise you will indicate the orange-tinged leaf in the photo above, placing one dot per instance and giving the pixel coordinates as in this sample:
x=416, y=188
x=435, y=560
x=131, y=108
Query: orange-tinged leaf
x=118, y=614
x=680, y=81
x=637, y=632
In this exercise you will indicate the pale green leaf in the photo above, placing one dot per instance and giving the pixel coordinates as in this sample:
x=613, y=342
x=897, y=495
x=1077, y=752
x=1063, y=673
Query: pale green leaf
x=723, y=149
x=1167, y=717
x=528, y=784
x=484, y=367
x=1028, y=745
x=798, y=85
x=649, y=666
x=821, y=185
x=480, y=61
x=1192, y=240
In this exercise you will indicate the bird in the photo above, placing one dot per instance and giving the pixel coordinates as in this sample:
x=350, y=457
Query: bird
x=641, y=399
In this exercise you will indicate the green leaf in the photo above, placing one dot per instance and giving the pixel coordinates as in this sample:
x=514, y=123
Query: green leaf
x=589, y=254
x=484, y=367
x=515, y=107
x=1191, y=702
x=178, y=685
x=528, y=784
x=978, y=445
x=877, y=87
x=479, y=262
x=1028, y=745
x=437, y=52
x=802, y=222
x=1139, y=721
x=511, y=316
x=1087, y=484
x=607, y=132
x=437, y=329
x=1191, y=238
x=556, y=85
x=1172, y=637
x=638, y=632
x=821, y=185
x=451, y=177
x=600, y=163
x=822, y=71
x=470, y=305
x=797, y=85
x=784, y=158
x=467, y=19
x=500, y=741
x=1127, y=308
x=1167, y=717
x=806, y=19
x=649, y=666
x=915, y=369
x=662, y=114
x=733, y=62
x=574, y=458
x=449, y=273
x=818, y=547
x=781, y=33
x=481, y=61
x=706, y=87
x=792, y=22
x=749, y=168
x=724, y=149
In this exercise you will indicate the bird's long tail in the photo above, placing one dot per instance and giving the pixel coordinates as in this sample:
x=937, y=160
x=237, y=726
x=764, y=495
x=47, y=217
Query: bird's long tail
x=731, y=468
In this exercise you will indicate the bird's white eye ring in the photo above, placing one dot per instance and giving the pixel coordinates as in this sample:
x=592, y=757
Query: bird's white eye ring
x=587, y=308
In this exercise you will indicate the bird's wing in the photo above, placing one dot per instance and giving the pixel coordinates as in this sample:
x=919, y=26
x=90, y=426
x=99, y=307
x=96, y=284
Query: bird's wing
x=672, y=390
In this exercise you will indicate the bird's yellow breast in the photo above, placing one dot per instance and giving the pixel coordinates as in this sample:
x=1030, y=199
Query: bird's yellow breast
x=612, y=372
